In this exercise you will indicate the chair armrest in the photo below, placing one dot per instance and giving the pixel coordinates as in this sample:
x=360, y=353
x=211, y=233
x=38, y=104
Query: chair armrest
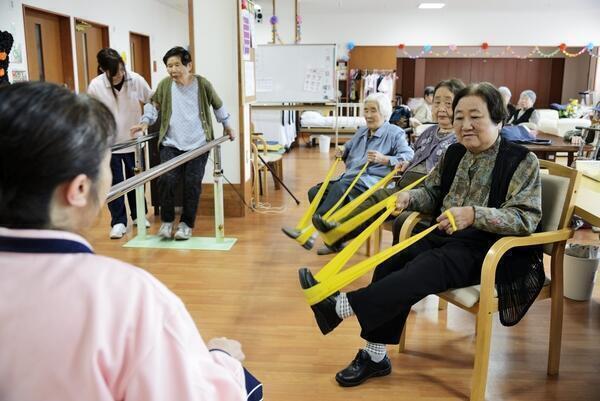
x=503, y=245
x=409, y=225
x=260, y=138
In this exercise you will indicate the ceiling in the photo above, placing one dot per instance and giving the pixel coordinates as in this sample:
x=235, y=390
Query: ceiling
x=316, y=6
x=454, y=5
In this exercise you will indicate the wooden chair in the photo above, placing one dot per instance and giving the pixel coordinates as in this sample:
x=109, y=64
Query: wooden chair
x=559, y=187
x=260, y=169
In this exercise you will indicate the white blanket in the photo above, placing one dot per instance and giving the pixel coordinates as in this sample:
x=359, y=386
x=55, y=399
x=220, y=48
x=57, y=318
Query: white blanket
x=313, y=119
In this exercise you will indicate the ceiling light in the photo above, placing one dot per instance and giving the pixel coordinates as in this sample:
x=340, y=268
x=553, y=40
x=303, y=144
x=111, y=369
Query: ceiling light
x=431, y=5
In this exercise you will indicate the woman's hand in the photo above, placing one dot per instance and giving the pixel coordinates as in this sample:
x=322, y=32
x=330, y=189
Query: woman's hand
x=339, y=151
x=232, y=347
x=402, y=201
x=402, y=166
x=463, y=218
x=576, y=140
x=133, y=131
x=229, y=131
x=374, y=156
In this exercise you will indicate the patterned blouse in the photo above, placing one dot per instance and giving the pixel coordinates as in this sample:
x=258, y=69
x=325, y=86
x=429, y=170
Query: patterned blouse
x=518, y=215
x=429, y=148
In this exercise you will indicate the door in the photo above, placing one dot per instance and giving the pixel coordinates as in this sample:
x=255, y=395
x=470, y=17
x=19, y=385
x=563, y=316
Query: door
x=140, y=55
x=48, y=45
x=89, y=39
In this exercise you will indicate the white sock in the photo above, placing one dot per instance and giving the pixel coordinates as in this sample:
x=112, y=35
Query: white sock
x=342, y=306
x=376, y=351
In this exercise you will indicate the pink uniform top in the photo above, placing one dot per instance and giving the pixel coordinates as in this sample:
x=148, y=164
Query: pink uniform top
x=79, y=326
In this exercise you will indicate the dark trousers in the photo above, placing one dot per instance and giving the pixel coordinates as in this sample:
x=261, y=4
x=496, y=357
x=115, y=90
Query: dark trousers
x=435, y=264
x=334, y=192
x=118, y=213
x=372, y=200
x=191, y=173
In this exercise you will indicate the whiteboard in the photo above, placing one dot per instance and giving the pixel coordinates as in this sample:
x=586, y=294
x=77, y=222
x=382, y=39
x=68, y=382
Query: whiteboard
x=295, y=73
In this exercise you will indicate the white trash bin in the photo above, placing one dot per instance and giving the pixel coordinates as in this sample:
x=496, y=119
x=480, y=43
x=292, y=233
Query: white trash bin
x=579, y=272
x=324, y=142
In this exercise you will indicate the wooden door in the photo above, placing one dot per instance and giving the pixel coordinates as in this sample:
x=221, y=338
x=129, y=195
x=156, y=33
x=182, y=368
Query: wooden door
x=140, y=55
x=48, y=45
x=90, y=38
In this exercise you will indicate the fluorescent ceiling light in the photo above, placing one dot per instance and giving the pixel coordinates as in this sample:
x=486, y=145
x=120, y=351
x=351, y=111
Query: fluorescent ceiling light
x=431, y=5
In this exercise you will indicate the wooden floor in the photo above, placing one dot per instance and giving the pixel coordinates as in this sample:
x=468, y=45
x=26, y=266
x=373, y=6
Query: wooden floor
x=251, y=293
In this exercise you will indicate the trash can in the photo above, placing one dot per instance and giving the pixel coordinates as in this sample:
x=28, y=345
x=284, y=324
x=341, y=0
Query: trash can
x=580, y=265
x=324, y=142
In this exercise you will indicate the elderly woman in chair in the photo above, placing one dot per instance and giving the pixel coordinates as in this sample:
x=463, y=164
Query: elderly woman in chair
x=492, y=188
x=429, y=148
x=380, y=143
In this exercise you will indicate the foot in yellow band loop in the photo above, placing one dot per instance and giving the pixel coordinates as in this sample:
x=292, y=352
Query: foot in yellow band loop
x=291, y=232
x=295, y=234
x=325, y=314
x=323, y=225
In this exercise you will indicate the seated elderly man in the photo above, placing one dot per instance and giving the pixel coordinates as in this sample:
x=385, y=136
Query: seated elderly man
x=492, y=187
x=525, y=113
x=429, y=148
x=380, y=143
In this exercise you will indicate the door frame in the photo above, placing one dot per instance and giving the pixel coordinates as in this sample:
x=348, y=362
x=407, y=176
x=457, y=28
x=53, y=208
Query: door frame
x=66, y=45
x=149, y=54
x=105, y=38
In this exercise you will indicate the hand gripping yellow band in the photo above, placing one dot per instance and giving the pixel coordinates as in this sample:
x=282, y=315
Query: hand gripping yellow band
x=306, y=217
x=331, y=279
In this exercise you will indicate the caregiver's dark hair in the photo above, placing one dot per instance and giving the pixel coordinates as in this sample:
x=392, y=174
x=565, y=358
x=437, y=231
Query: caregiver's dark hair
x=109, y=62
x=489, y=94
x=48, y=136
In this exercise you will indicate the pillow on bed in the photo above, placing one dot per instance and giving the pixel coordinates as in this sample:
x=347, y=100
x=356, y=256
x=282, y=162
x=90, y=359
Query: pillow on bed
x=312, y=115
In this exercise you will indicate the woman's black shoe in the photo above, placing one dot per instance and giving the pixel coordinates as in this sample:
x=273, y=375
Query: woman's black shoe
x=361, y=369
x=325, y=314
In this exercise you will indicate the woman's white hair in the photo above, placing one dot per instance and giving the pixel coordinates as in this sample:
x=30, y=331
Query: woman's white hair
x=530, y=94
x=384, y=105
x=505, y=91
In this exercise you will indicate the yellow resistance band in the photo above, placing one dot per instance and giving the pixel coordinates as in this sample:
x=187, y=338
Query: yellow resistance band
x=349, y=207
x=331, y=279
x=350, y=225
x=354, y=181
x=305, y=220
x=308, y=231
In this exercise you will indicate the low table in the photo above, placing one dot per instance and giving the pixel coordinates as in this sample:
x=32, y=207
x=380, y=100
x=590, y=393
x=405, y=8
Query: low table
x=548, y=152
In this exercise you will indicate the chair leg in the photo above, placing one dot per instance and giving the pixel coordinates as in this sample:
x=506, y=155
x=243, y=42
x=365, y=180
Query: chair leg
x=402, y=344
x=256, y=185
x=277, y=168
x=368, y=246
x=377, y=236
x=482, y=355
x=442, y=304
x=556, y=318
x=264, y=182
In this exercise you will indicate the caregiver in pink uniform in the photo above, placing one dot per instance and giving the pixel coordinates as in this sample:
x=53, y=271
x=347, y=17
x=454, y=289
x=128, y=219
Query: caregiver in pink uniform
x=75, y=325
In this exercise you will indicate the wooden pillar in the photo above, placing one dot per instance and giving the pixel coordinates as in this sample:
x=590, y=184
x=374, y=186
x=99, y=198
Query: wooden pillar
x=191, y=33
x=273, y=26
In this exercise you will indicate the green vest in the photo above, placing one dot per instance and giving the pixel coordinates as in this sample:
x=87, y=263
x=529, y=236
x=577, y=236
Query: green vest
x=207, y=97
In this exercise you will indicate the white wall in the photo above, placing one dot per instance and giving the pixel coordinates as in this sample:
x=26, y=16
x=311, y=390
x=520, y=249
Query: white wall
x=531, y=22
x=216, y=41
x=286, y=27
x=166, y=26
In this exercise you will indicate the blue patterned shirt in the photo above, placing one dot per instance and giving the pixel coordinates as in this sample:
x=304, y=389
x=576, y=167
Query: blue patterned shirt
x=389, y=140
